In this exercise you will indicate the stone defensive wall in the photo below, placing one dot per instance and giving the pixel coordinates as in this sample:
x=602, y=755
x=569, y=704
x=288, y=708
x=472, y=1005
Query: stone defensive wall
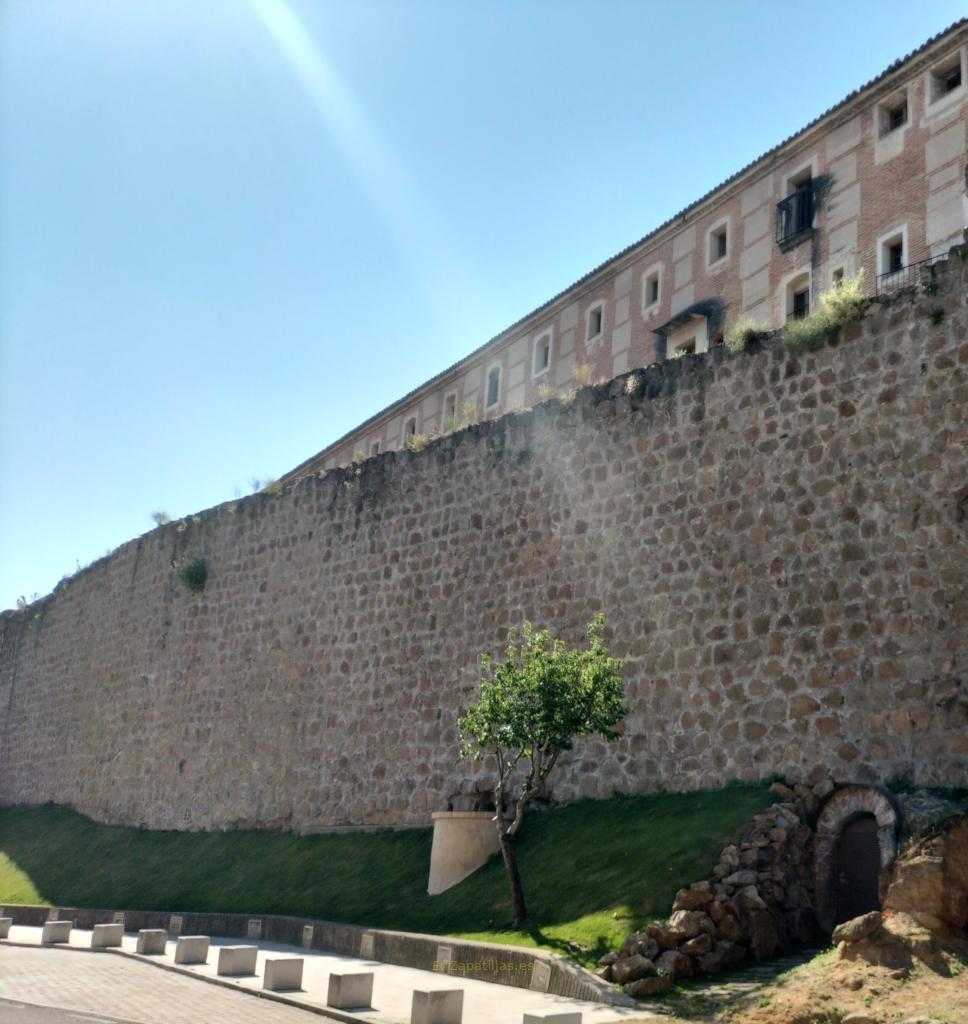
x=779, y=541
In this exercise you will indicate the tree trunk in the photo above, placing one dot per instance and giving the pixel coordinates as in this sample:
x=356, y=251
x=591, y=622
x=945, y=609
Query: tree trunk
x=514, y=878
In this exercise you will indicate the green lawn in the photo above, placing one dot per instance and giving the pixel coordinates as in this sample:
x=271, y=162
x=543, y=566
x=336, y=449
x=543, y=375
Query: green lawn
x=592, y=870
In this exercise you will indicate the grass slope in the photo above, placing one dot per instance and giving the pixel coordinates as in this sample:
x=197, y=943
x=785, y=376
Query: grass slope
x=592, y=869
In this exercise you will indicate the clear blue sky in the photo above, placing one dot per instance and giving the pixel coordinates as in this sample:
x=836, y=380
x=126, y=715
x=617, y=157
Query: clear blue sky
x=232, y=229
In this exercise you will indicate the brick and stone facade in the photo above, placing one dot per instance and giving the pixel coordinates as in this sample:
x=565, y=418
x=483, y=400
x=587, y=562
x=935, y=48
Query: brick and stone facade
x=873, y=185
x=779, y=541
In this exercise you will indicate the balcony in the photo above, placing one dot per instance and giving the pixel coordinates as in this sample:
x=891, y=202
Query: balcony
x=794, y=217
x=906, y=276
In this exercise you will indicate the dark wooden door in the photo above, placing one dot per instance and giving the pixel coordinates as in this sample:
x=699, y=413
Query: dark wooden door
x=858, y=866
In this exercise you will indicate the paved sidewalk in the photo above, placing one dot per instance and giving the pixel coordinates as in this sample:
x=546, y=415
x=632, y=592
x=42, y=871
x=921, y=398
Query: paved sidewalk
x=87, y=982
x=117, y=989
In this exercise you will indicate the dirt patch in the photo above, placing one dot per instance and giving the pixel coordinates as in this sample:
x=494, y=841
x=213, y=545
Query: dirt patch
x=827, y=990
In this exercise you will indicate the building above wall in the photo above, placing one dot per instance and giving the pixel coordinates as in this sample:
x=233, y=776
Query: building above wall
x=875, y=185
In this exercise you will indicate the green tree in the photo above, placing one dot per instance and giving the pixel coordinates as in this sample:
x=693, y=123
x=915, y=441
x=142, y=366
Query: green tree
x=532, y=705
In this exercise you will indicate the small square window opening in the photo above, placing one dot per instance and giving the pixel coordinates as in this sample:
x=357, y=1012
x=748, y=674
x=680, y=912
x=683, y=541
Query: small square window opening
x=652, y=289
x=946, y=78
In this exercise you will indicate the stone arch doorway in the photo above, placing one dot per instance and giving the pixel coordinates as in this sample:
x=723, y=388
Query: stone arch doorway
x=858, y=868
x=856, y=839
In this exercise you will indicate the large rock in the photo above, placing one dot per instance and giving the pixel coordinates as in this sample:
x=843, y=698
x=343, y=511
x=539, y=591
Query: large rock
x=645, y=987
x=676, y=965
x=641, y=943
x=691, y=899
x=732, y=952
x=632, y=968
x=931, y=881
x=685, y=923
x=732, y=929
x=663, y=936
x=698, y=946
x=857, y=928
x=741, y=878
x=750, y=898
x=712, y=962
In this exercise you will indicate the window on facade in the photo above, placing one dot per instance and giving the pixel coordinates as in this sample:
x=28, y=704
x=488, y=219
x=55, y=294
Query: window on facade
x=493, y=387
x=410, y=428
x=798, y=297
x=718, y=244
x=542, y=354
x=595, y=317
x=650, y=289
x=794, y=215
x=686, y=346
x=946, y=78
x=837, y=277
x=892, y=115
x=450, y=412
x=894, y=254
x=375, y=448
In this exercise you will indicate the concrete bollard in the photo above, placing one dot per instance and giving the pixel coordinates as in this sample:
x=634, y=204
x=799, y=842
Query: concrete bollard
x=552, y=1018
x=105, y=935
x=191, y=949
x=236, y=960
x=56, y=931
x=283, y=974
x=444, y=1006
x=350, y=991
x=151, y=941
x=5, y=923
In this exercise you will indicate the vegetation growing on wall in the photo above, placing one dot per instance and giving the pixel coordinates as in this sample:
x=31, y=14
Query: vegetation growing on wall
x=838, y=306
x=193, y=573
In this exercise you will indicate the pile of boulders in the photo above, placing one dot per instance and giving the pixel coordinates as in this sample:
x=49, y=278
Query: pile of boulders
x=758, y=901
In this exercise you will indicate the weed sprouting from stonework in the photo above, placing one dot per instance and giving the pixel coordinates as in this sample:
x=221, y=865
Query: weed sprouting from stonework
x=741, y=333
x=841, y=304
x=416, y=443
x=545, y=391
x=582, y=375
x=272, y=487
x=193, y=573
x=633, y=385
x=845, y=301
x=160, y=518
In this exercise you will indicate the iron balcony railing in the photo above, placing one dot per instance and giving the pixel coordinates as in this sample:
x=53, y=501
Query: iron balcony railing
x=906, y=276
x=794, y=215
